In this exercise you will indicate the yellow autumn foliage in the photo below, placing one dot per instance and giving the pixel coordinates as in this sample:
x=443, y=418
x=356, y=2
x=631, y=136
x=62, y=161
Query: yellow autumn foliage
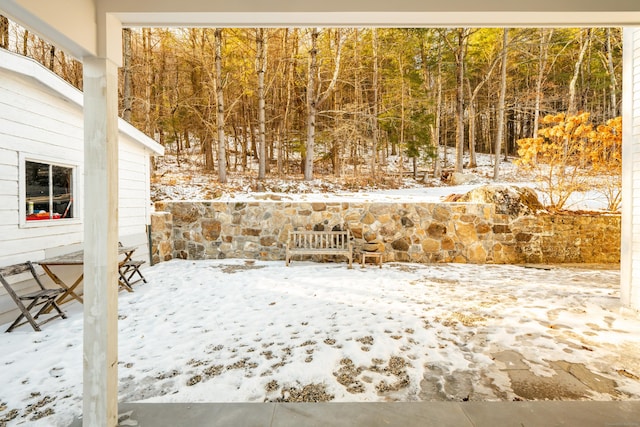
x=570, y=155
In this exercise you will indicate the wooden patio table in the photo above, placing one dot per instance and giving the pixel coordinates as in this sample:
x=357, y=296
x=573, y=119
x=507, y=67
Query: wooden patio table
x=75, y=258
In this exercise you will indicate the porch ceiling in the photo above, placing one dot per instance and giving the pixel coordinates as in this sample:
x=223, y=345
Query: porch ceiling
x=74, y=26
x=372, y=12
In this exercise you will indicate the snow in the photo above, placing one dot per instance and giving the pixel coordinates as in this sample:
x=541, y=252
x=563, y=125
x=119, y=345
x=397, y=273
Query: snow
x=231, y=331
x=185, y=183
x=227, y=331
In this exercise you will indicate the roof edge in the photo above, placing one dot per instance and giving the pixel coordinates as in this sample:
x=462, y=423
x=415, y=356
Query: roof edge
x=31, y=68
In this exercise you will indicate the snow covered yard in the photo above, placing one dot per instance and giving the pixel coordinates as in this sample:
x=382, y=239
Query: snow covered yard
x=228, y=331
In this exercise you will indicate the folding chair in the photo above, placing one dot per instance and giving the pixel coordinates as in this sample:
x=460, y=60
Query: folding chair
x=128, y=270
x=46, y=298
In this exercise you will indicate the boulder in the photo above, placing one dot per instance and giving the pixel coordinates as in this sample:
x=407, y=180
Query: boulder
x=373, y=247
x=458, y=178
x=508, y=200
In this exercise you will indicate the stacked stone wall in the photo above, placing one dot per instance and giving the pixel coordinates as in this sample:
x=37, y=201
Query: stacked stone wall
x=414, y=232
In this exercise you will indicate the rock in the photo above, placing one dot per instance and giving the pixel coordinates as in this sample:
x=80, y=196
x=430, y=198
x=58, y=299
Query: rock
x=368, y=219
x=211, y=229
x=356, y=231
x=508, y=200
x=369, y=236
x=401, y=244
x=458, y=178
x=373, y=247
x=436, y=230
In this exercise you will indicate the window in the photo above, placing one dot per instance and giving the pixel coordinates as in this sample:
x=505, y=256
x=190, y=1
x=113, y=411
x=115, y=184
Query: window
x=49, y=191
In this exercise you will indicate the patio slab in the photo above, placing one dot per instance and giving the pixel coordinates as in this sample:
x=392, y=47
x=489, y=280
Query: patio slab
x=406, y=414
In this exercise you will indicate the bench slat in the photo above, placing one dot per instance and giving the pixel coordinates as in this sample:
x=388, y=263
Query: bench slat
x=319, y=243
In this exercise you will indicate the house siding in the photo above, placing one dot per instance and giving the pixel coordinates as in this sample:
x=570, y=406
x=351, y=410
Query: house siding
x=635, y=279
x=630, y=245
x=36, y=125
x=40, y=123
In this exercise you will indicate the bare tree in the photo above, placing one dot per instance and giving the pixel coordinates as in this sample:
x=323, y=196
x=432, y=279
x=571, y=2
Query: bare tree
x=315, y=98
x=585, y=38
x=501, y=104
x=613, y=84
x=374, y=115
x=472, y=111
x=261, y=66
x=222, y=155
x=459, y=50
x=545, y=40
x=126, y=75
x=4, y=32
x=437, y=166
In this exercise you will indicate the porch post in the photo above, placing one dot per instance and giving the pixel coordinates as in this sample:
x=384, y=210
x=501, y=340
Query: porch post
x=630, y=227
x=100, y=354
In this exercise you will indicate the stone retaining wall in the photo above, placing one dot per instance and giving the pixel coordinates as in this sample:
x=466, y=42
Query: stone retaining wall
x=416, y=232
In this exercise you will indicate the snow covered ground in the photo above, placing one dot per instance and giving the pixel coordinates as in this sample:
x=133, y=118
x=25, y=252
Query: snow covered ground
x=231, y=331
x=188, y=183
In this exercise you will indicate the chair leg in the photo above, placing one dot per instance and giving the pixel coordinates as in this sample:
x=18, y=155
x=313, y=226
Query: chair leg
x=136, y=270
x=46, y=308
x=127, y=273
x=26, y=313
x=124, y=283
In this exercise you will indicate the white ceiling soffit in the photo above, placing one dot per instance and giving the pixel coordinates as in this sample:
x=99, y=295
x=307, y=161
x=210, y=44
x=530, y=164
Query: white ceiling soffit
x=379, y=19
x=400, y=13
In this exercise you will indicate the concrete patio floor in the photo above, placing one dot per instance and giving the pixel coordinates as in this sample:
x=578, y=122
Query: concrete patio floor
x=418, y=414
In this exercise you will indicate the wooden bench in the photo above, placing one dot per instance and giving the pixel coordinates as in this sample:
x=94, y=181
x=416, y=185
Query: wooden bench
x=319, y=243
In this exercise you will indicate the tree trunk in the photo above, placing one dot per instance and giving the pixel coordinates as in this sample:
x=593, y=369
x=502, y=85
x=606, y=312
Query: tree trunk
x=261, y=66
x=437, y=165
x=222, y=155
x=472, y=134
x=545, y=39
x=126, y=75
x=501, y=102
x=52, y=57
x=146, y=59
x=572, y=108
x=374, y=118
x=289, y=89
x=613, y=84
x=472, y=111
x=311, y=105
x=460, y=58
x=4, y=32
x=402, y=116
x=25, y=43
x=314, y=100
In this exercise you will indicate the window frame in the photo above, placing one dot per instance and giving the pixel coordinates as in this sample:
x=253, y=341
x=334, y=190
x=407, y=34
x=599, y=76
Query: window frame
x=51, y=161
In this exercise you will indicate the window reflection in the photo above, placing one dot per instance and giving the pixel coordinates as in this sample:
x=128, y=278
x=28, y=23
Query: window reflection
x=49, y=191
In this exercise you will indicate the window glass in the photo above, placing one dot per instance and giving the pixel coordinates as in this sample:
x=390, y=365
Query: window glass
x=49, y=191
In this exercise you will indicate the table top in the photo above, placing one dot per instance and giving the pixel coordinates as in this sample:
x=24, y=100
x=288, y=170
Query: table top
x=77, y=257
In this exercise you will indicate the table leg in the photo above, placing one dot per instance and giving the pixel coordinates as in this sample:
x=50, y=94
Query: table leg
x=69, y=290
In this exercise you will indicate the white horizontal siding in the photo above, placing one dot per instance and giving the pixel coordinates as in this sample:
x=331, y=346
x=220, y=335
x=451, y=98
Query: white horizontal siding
x=31, y=106
x=8, y=187
x=35, y=122
x=630, y=257
x=38, y=125
x=133, y=193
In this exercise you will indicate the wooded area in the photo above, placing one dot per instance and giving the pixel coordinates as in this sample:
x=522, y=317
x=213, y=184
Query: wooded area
x=260, y=100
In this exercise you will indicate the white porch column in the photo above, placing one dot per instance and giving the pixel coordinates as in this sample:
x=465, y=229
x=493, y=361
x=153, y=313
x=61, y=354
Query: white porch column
x=100, y=357
x=630, y=239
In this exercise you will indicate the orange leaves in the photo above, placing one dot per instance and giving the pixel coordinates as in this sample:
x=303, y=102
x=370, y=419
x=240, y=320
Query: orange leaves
x=571, y=153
